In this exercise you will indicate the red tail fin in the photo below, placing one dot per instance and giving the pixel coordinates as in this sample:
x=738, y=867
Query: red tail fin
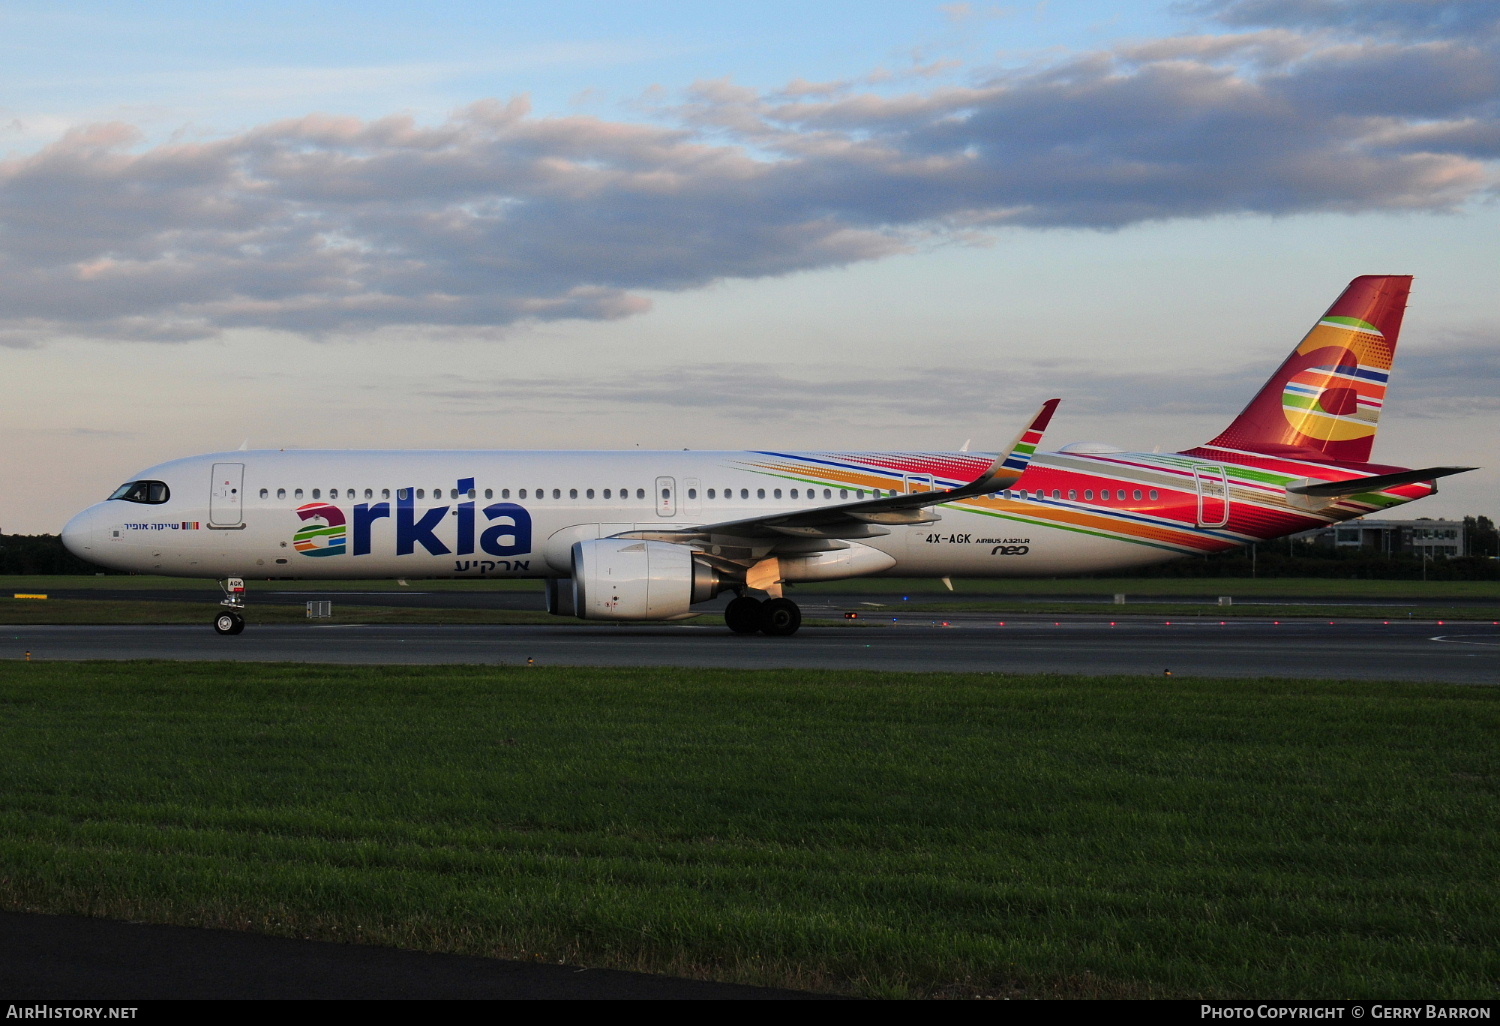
x=1324, y=402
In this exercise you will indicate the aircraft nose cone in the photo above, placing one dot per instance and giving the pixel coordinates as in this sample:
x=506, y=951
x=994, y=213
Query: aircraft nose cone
x=78, y=534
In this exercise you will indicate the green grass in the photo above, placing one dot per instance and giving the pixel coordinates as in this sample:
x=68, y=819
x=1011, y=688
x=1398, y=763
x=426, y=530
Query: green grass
x=878, y=834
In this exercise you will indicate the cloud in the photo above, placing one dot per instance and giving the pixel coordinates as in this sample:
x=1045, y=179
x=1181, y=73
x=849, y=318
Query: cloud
x=1459, y=374
x=325, y=225
x=752, y=392
x=1409, y=18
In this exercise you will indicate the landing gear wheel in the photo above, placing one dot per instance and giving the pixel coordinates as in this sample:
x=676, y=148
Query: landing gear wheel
x=780, y=618
x=229, y=623
x=743, y=615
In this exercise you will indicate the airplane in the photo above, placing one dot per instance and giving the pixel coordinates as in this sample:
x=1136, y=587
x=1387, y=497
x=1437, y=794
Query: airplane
x=628, y=536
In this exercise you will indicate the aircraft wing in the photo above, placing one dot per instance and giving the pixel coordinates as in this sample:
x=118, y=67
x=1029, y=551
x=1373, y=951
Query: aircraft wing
x=863, y=518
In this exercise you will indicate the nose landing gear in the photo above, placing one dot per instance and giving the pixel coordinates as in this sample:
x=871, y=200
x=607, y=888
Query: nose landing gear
x=778, y=617
x=231, y=621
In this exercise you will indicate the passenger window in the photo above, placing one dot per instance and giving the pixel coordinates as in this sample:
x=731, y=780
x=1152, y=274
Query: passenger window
x=572, y=493
x=281, y=493
x=794, y=493
x=776, y=494
x=1155, y=495
x=1056, y=494
x=369, y=493
x=1136, y=495
x=557, y=493
x=299, y=493
x=1023, y=495
x=401, y=493
x=710, y=493
x=1072, y=495
x=760, y=493
x=859, y=493
x=640, y=493
x=843, y=493
x=316, y=494
x=522, y=493
x=666, y=493
x=827, y=493
x=606, y=493
x=692, y=493
x=421, y=494
x=385, y=493
x=744, y=493
x=1088, y=495
x=265, y=493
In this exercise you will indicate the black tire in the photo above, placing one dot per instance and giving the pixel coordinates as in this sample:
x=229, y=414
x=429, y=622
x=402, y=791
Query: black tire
x=780, y=618
x=229, y=623
x=743, y=615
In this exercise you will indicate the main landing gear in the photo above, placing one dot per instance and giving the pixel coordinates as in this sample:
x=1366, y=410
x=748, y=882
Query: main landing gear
x=778, y=617
x=231, y=621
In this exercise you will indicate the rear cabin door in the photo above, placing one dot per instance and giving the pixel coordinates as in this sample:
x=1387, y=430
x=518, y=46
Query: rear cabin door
x=1213, y=496
x=226, y=498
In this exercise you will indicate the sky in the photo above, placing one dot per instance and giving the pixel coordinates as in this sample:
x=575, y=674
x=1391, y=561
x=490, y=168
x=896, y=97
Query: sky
x=721, y=225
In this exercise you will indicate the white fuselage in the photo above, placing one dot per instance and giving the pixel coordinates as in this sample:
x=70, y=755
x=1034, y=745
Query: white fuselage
x=505, y=514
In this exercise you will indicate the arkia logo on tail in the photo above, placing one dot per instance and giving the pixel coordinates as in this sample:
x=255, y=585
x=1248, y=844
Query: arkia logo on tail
x=1340, y=398
x=1325, y=401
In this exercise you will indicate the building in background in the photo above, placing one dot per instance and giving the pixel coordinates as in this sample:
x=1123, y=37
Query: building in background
x=1435, y=539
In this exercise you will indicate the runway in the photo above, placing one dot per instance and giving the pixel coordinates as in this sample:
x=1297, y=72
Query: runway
x=816, y=603
x=1460, y=653
x=71, y=958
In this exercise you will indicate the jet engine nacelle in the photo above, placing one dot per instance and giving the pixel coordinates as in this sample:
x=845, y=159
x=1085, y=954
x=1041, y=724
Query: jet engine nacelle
x=621, y=579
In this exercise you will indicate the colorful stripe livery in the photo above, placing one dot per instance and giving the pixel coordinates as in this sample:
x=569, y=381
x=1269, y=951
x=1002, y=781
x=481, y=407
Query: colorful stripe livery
x=326, y=539
x=1208, y=500
x=1325, y=401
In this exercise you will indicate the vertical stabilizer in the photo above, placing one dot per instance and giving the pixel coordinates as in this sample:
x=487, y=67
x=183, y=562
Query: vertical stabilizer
x=1324, y=402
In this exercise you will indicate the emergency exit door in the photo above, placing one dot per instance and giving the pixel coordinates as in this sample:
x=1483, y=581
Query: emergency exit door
x=666, y=497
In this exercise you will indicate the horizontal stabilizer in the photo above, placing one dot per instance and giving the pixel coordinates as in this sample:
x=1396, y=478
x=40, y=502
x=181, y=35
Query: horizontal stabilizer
x=1360, y=485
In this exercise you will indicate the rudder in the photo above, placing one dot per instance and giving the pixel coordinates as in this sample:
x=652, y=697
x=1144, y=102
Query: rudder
x=1324, y=402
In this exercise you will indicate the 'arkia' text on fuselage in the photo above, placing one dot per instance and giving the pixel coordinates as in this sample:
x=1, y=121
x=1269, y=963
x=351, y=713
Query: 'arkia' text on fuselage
x=648, y=535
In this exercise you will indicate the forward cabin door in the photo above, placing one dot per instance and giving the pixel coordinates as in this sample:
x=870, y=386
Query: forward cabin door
x=1213, y=496
x=666, y=497
x=226, y=498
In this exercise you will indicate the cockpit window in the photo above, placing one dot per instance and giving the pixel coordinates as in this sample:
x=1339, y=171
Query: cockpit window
x=153, y=492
